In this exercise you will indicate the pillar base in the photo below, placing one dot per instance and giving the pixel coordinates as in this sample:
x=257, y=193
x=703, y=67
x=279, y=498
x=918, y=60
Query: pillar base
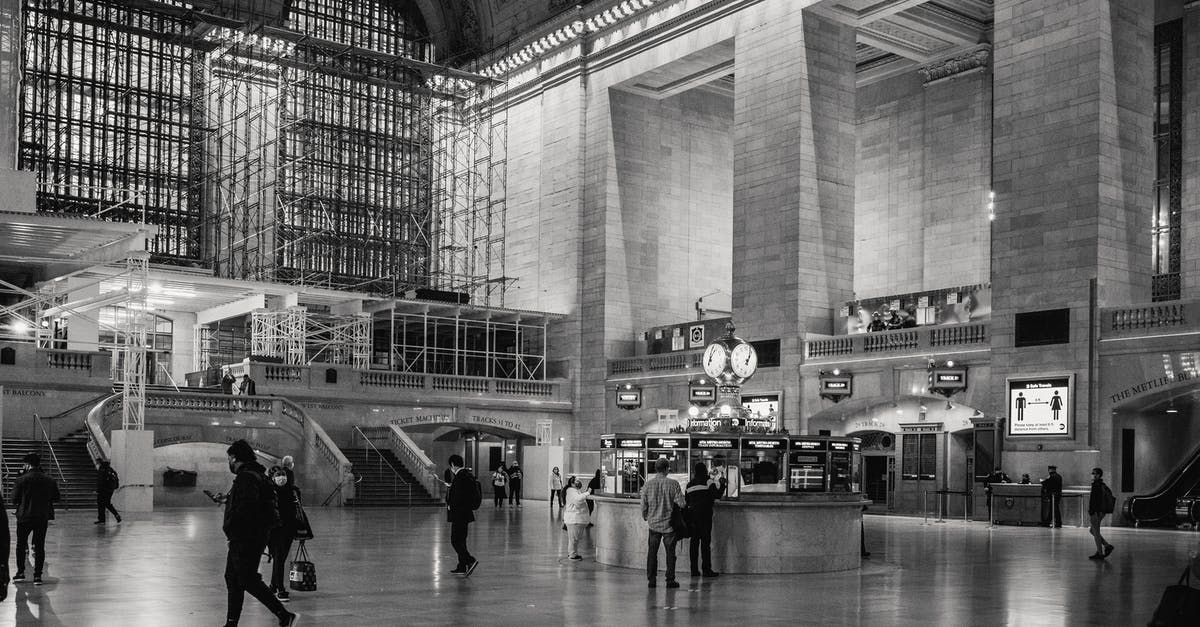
x=133, y=459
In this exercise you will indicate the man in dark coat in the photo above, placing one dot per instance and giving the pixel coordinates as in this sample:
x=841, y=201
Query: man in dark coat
x=5, y=542
x=227, y=382
x=461, y=501
x=515, y=477
x=33, y=494
x=1052, y=498
x=250, y=514
x=702, y=491
x=107, y=482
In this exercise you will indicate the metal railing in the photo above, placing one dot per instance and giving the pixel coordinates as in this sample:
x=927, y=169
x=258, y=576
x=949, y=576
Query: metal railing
x=920, y=339
x=62, y=478
x=398, y=481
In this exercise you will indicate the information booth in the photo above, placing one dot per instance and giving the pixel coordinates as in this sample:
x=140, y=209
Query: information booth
x=762, y=461
x=675, y=448
x=806, y=465
x=625, y=456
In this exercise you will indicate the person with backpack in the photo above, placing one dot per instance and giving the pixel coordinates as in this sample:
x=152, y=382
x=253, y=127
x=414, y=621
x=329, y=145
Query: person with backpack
x=251, y=512
x=1101, y=502
x=107, y=483
x=462, y=499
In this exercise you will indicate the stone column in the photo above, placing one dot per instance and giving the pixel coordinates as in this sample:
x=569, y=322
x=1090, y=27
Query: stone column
x=1072, y=160
x=793, y=224
x=1190, y=263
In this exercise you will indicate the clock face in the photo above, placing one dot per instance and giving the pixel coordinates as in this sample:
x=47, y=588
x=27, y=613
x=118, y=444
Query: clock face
x=714, y=360
x=744, y=360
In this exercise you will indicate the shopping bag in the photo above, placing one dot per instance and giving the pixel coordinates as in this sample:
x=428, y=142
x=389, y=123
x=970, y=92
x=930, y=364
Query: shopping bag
x=304, y=573
x=679, y=522
x=1180, y=605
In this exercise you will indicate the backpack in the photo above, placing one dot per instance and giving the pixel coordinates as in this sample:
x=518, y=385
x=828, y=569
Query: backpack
x=111, y=481
x=478, y=500
x=1108, y=502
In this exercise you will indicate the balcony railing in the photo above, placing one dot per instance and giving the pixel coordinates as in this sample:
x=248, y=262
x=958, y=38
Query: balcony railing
x=899, y=341
x=682, y=360
x=32, y=363
x=1164, y=318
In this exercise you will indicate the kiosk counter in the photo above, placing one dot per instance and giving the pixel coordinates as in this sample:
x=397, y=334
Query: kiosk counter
x=807, y=520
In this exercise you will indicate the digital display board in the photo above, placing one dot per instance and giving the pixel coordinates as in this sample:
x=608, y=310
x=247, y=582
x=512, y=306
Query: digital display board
x=1041, y=406
x=657, y=442
x=709, y=442
x=702, y=394
x=764, y=444
x=608, y=441
x=613, y=441
x=836, y=386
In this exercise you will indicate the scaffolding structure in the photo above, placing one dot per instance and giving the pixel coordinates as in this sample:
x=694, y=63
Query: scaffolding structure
x=297, y=336
x=327, y=152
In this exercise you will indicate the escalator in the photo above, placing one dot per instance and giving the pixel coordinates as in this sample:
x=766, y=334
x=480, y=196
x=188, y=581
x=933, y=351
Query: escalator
x=1176, y=501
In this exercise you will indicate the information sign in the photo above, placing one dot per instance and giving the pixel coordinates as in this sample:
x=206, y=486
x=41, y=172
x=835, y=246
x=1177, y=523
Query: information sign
x=1041, y=406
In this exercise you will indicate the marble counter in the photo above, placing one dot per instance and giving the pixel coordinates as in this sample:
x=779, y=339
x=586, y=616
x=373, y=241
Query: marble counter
x=770, y=533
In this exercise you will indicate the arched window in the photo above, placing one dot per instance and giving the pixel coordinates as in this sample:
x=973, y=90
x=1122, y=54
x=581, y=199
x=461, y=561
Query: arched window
x=331, y=375
x=8, y=356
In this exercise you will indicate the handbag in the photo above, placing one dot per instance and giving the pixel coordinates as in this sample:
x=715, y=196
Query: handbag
x=303, y=576
x=1180, y=604
x=679, y=522
x=303, y=528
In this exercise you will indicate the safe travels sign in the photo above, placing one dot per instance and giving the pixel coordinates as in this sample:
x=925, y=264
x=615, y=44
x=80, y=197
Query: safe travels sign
x=1040, y=406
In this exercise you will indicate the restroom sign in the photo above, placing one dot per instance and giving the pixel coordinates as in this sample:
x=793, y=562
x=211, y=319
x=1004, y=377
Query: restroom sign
x=696, y=336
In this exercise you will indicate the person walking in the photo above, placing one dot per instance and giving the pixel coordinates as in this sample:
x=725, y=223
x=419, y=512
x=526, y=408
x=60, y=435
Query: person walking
x=462, y=499
x=33, y=495
x=515, y=477
x=5, y=544
x=499, y=481
x=576, y=517
x=1100, y=504
x=658, y=495
x=1052, y=487
x=251, y=512
x=702, y=492
x=107, y=483
x=556, y=490
x=279, y=542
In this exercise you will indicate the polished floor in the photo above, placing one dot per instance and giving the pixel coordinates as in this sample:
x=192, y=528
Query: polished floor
x=389, y=567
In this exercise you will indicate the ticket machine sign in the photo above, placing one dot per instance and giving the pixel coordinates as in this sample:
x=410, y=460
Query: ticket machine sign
x=667, y=442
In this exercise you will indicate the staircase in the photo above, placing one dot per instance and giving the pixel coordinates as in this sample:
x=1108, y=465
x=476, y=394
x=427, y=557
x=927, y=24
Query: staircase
x=77, y=481
x=380, y=486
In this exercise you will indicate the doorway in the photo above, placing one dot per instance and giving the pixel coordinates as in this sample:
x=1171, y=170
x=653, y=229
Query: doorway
x=875, y=479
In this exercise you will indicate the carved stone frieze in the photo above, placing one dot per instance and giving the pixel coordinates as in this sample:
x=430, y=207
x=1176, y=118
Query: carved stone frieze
x=977, y=58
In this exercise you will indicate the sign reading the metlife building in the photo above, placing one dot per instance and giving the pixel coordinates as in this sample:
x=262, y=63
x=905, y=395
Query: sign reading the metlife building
x=1040, y=406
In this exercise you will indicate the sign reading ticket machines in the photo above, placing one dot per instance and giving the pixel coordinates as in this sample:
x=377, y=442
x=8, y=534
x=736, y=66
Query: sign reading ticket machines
x=1041, y=406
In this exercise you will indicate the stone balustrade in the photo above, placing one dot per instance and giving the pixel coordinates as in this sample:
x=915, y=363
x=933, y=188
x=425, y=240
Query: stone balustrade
x=1165, y=318
x=24, y=360
x=898, y=341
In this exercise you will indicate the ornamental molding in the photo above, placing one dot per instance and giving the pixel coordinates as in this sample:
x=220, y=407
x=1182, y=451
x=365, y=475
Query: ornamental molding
x=977, y=59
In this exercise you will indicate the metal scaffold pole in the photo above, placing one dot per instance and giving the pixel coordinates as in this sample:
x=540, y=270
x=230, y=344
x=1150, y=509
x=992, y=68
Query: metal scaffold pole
x=133, y=349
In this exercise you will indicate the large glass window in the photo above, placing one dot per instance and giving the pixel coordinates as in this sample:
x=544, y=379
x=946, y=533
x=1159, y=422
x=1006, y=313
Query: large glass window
x=1168, y=139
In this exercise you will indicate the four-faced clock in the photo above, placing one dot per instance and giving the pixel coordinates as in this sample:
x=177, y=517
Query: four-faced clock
x=744, y=360
x=714, y=360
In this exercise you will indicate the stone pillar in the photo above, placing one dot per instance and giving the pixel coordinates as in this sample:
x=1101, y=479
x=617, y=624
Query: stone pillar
x=132, y=455
x=793, y=224
x=1072, y=160
x=1190, y=262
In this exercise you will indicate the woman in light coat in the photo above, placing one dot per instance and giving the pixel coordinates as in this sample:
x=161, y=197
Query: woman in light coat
x=499, y=481
x=576, y=516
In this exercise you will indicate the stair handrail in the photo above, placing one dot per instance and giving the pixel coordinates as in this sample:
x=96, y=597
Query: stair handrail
x=54, y=456
x=337, y=488
x=405, y=448
x=395, y=473
x=98, y=445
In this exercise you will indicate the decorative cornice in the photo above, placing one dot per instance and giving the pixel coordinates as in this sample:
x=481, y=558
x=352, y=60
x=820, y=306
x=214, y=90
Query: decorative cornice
x=978, y=58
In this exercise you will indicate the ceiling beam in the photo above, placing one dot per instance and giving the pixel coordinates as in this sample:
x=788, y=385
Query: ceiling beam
x=229, y=310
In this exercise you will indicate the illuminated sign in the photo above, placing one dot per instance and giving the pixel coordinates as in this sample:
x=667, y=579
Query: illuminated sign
x=608, y=443
x=1041, y=406
x=948, y=379
x=809, y=445
x=835, y=445
x=629, y=398
x=702, y=394
x=764, y=444
x=676, y=442
x=836, y=387
x=714, y=443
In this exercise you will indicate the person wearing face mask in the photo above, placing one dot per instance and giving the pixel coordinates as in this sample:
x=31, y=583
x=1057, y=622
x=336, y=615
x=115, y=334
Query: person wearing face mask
x=576, y=517
x=251, y=511
x=287, y=495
